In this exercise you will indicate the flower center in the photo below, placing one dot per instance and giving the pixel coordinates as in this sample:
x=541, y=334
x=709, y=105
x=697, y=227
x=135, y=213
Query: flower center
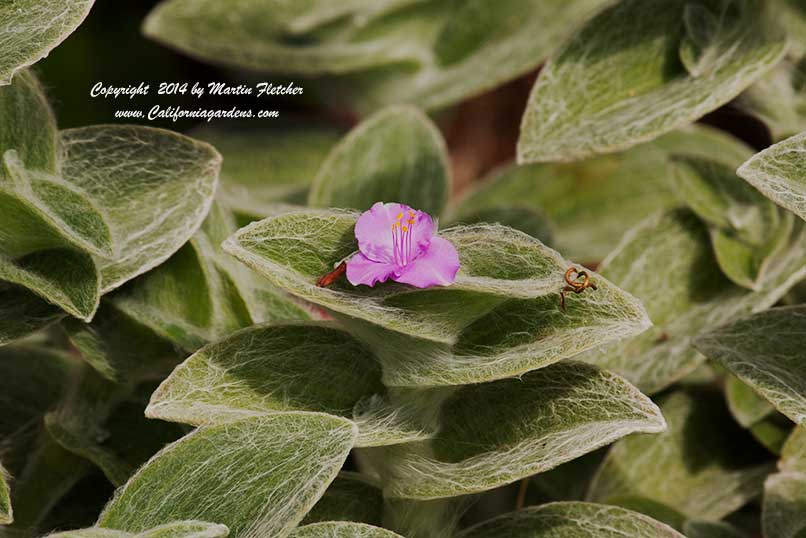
x=402, y=230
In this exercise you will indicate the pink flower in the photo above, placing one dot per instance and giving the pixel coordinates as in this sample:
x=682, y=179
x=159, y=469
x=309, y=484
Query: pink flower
x=398, y=242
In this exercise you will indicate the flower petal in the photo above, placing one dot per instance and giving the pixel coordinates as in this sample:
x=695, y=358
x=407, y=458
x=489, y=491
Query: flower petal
x=362, y=270
x=437, y=266
x=373, y=230
x=422, y=232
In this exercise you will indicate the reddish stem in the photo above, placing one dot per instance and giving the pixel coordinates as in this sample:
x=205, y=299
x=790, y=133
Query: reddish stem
x=332, y=276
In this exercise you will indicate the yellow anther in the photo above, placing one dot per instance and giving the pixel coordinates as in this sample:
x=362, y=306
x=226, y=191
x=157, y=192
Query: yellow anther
x=405, y=228
x=411, y=213
x=412, y=221
x=400, y=216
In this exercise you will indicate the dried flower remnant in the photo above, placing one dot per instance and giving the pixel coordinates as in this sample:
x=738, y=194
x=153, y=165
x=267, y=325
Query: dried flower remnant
x=572, y=276
x=397, y=242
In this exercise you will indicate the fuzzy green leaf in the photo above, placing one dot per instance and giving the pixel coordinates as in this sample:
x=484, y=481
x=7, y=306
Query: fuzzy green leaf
x=668, y=263
x=592, y=203
x=536, y=422
x=784, y=508
x=154, y=186
x=397, y=155
x=341, y=529
x=746, y=229
x=120, y=348
x=529, y=220
x=28, y=125
x=792, y=14
x=45, y=223
x=620, y=80
x=432, y=54
x=772, y=432
x=31, y=29
x=201, y=294
x=175, y=529
x=692, y=467
x=6, y=512
x=445, y=335
x=287, y=367
x=186, y=529
x=571, y=520
x=711, y=529
x=265, y=167
x=66, y=278
x=91, y=532
x=258, y=476
x=351, y=497
x=49, y=473
x=103, y=423
x=76, y=437
x=779, y=98
x=23, y=313
x=84, y=211
x=745, y=404
x=32, y=378
x=424, y=519
x=793, y=455
x=766, y=351
x=778, y=172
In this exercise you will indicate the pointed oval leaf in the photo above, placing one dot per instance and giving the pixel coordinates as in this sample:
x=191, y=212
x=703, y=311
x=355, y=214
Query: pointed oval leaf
x=90, y=532
x=506, y=278
x=766, y=351
x=529, y=220
x=23, y=313
x=341, y=529
x=40, y=210
x=351, y=497
x=103, y=423
x=112, y=200
x=48, y=474
x=534, y=423
x=668, y=263
x=783, y=512
x=793, y=455
x=745, y=404
x=31, y=29
x=155, y=186
x=175, y=529
x=593, y=202
x=779, y=98
x=391, y=51
x=205, y=29
x=186, y=529
x=619, y=80
x=201, y=294
x=692, y=467
x=32, y=378
x=571, y=520
x=69, y=279
x=778, y=172
x=746, y=229
x=474, y=46
x=711, y=529
x=273, y=368
x=71, y=436
x=120, y=348
x=6, y=512
x=28, y=124
x=396, y=155
x=265, y=167
x=258, y=476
